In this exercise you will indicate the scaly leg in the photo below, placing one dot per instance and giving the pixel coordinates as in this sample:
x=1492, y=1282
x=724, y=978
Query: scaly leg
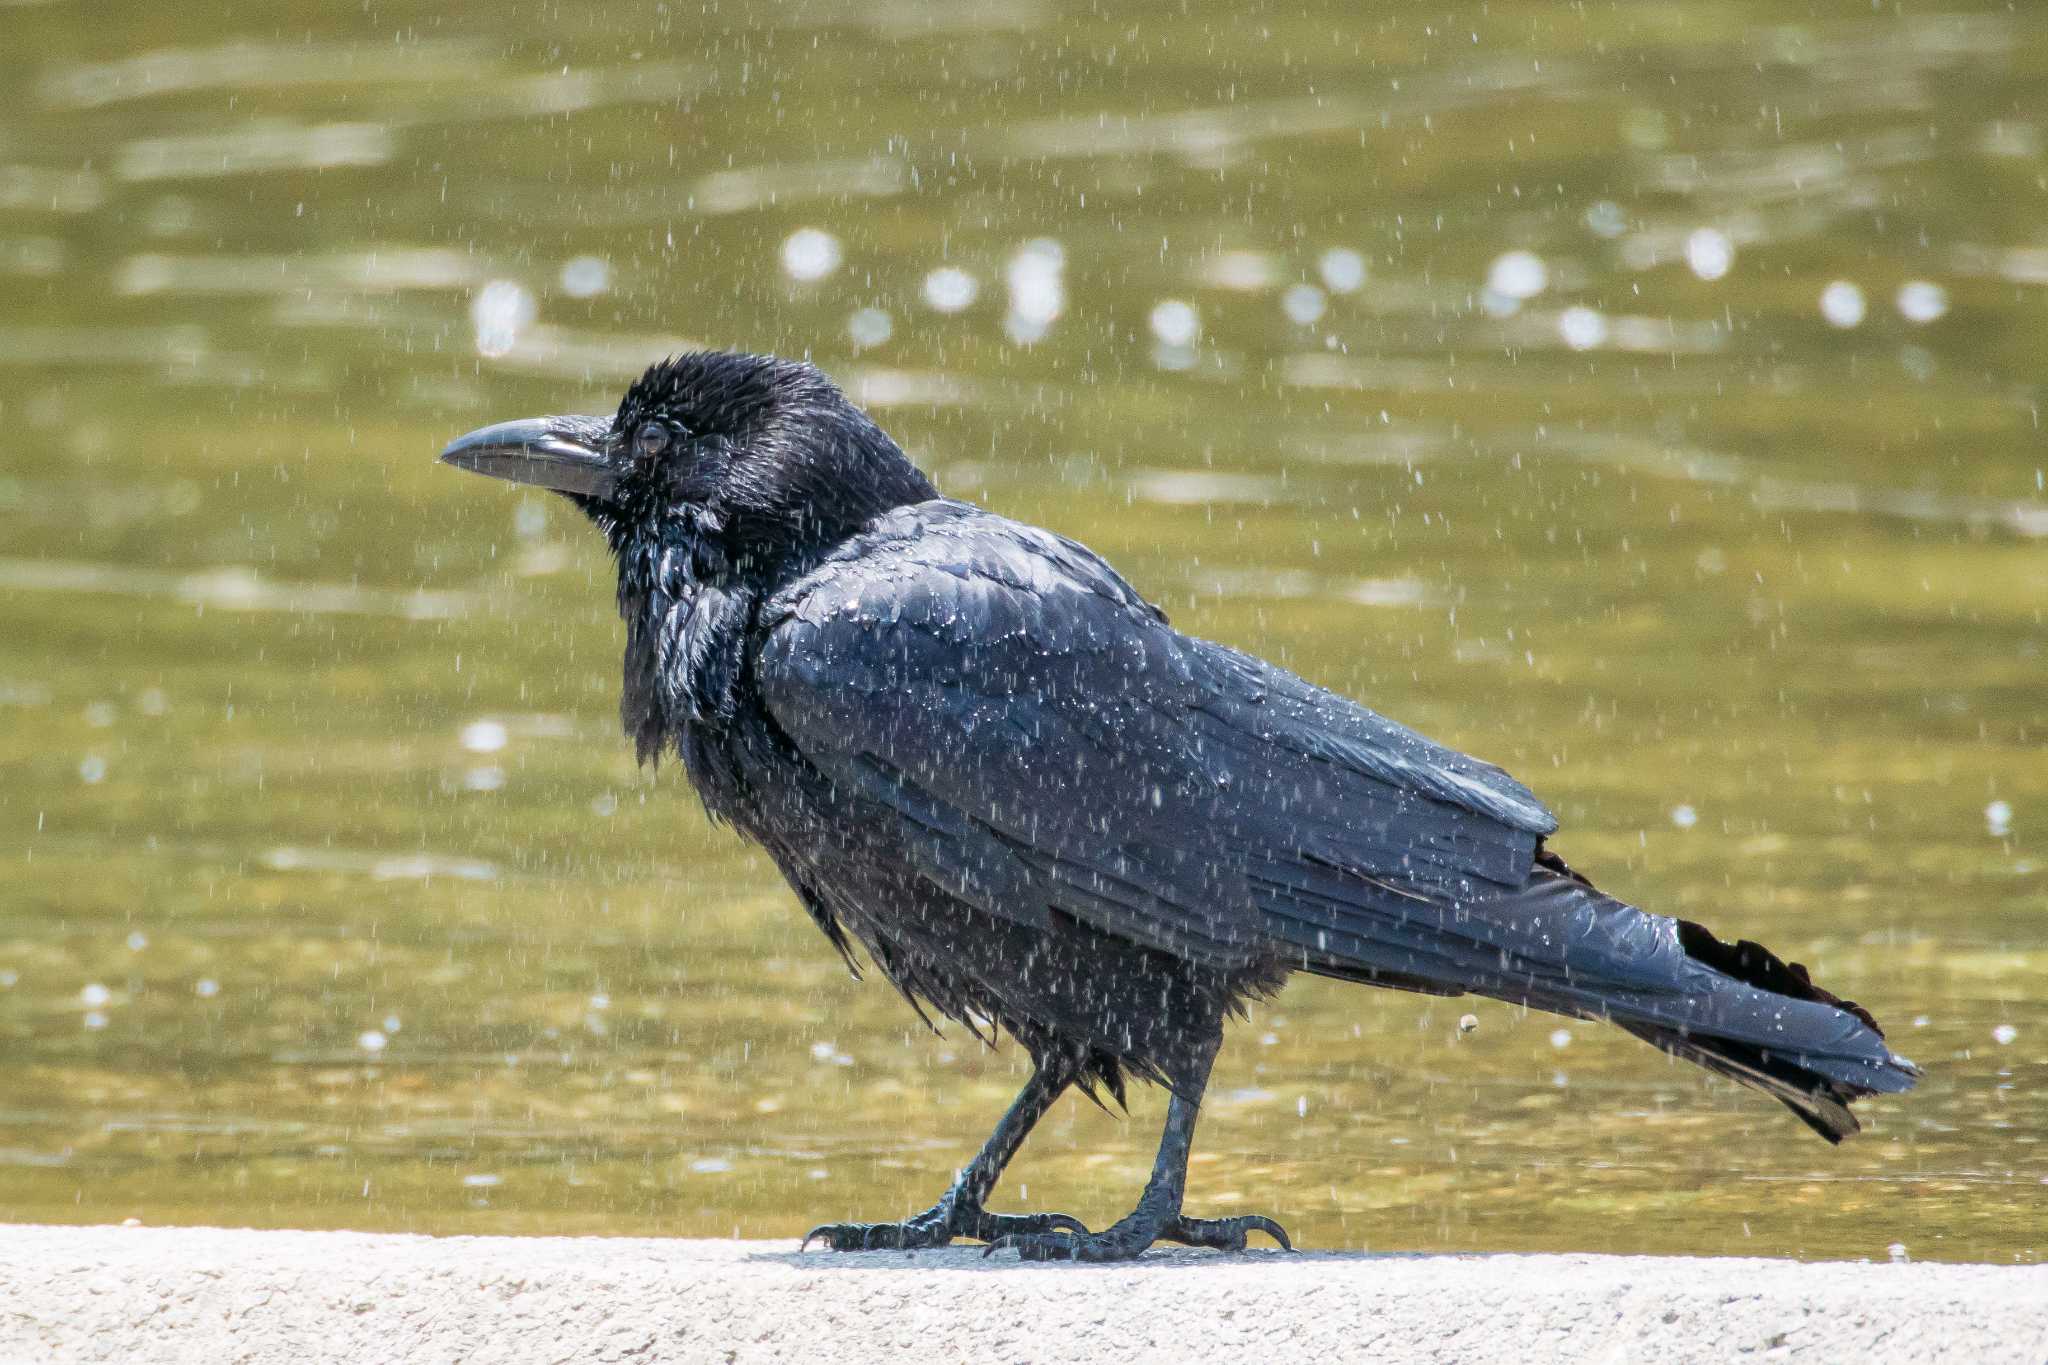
x=959, y=1212
x=1158, y=1216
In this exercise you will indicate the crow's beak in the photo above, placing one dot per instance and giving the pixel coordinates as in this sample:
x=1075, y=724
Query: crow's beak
x=567, y=454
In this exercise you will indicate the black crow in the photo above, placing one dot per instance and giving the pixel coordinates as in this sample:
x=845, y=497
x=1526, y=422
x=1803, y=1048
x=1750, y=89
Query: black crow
x=976, y=751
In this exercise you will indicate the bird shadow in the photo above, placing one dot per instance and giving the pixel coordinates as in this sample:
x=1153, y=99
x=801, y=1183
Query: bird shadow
x=977, y=1258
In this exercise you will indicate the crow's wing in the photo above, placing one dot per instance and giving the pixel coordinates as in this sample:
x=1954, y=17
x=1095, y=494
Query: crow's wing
x=1046, y=744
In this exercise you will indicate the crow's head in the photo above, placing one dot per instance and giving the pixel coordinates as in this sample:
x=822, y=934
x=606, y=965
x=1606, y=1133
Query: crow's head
x=743, y=462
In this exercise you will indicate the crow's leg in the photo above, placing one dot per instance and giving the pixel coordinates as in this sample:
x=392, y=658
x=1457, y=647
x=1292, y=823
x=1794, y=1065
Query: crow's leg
x=1157, y=1217
x=959, y=1212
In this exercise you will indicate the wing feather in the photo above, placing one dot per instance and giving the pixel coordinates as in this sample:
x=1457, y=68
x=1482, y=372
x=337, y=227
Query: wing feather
x=1046, y=742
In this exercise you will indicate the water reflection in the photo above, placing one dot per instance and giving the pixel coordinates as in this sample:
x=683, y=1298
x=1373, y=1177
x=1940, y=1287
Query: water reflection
x=236, y=588
x=262, y=146
x=242, y=65
x=388, y=269
x=1652, y=408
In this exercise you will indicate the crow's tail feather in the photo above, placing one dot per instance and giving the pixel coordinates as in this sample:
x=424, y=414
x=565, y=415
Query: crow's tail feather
x=1736, y=1009
x=1557, y=943
x=1821, y=1103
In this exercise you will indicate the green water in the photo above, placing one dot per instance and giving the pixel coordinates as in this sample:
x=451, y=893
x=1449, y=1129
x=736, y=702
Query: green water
x=330, y=895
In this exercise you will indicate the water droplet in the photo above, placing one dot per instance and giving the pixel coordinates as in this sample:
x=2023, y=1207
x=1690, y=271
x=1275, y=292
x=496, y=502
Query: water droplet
x=950, y=289
x=1922, y=301
x=1582, y=328
x=600, y=1001
x=501, y=310
x=1038, y=291
x=1175, y=322
x=483, y=736
x=1561, y=1038
x=710, y=1165
x=1517, y=275
x=93, y=995
x=371, y=1040
x=1606, y=219
x=1468, y=1023
x=1710, y=252
x=91, y=769
x=485, y=779
x=206, y=988
x=94, y=1019
x=392, y=1023
x=530, y=518
x=2004, y=1034
x=137, y=941
x=100, y=714
x=1343, y=270
x=810, y=254
x=870, y=327
x=1841, y=303
x=1685, y=817
x=483, y=1182
x=1303, y=303
x=585, y=277
x=1998, y=819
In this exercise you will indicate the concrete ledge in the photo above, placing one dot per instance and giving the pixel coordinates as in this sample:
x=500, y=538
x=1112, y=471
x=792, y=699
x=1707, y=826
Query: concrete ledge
x=216, y=1295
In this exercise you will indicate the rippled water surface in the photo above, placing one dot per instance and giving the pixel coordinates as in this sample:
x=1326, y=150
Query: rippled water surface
x=1646, y=397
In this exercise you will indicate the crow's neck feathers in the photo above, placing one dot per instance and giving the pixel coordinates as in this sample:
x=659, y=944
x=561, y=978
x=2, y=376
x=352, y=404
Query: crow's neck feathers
x=772, y=469
x=686, y=621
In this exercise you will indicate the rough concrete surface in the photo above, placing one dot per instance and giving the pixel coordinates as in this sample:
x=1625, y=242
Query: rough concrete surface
x=221, y=1295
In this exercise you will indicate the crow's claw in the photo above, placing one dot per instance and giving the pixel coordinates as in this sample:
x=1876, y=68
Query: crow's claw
x=911, y=1234
x=1127, y=1241
x=938, y=1227
x=1224, y=1234
x=993, y=1227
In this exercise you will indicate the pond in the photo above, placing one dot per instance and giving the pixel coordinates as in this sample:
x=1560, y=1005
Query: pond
x=1646, y=398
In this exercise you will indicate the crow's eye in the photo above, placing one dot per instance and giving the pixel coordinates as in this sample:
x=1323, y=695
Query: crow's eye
x=650, y=440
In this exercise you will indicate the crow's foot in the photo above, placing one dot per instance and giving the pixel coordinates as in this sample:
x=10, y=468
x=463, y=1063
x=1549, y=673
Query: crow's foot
x=937, y=1227
x=1224, y=1234
x=1128, y=1240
